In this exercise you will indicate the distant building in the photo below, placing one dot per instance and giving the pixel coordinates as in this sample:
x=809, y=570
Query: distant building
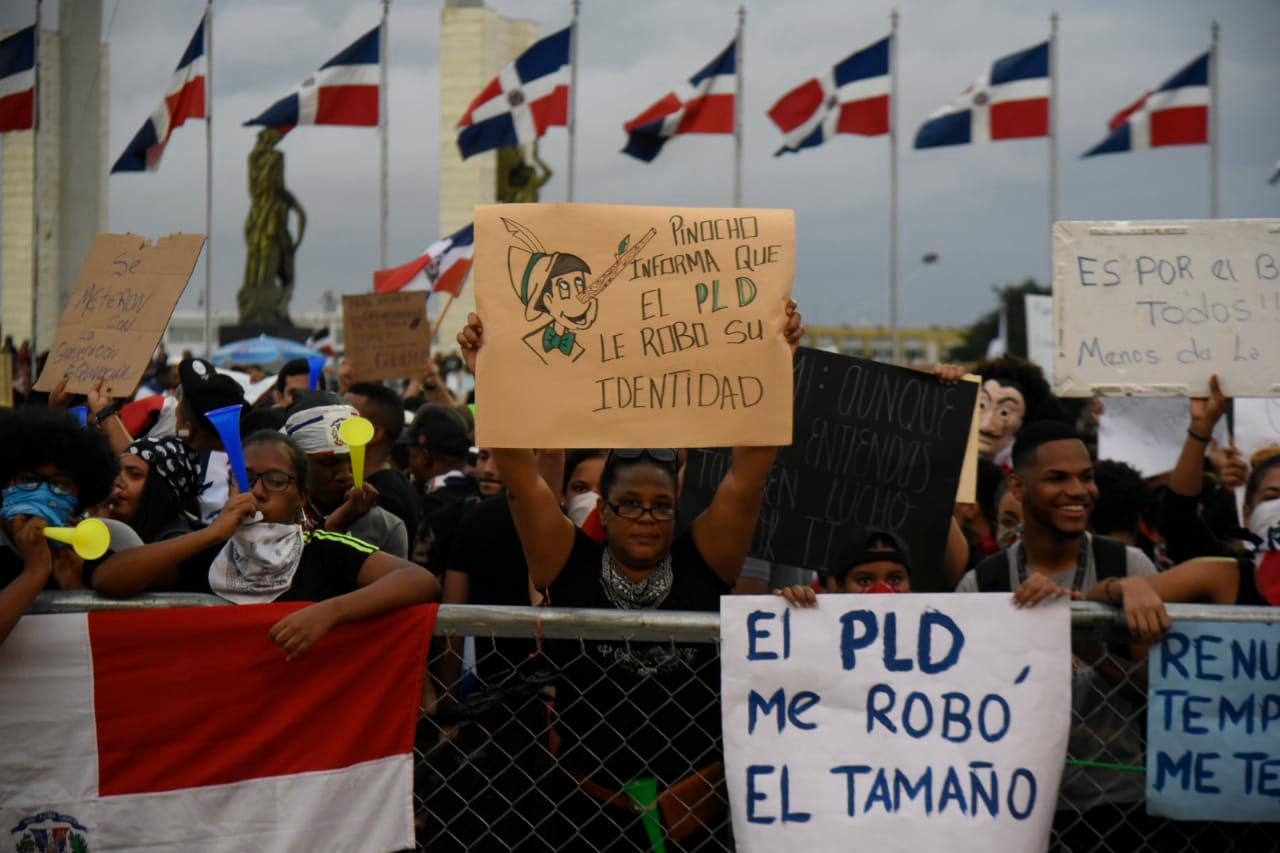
x=919, y=346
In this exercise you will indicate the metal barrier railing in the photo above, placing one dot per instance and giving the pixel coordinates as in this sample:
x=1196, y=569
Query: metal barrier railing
x=584, y=729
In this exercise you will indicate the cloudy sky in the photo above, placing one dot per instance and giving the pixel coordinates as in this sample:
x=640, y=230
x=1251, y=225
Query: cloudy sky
x=982, y=208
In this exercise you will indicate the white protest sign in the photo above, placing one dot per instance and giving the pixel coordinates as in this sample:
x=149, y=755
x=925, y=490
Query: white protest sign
x=908, y=722
x=1154, y=308
x=1041, y=340
x=1257, y=424
x=1147, y=433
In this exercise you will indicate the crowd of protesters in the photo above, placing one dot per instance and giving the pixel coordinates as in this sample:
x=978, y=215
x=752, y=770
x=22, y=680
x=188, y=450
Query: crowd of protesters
x=546, y=745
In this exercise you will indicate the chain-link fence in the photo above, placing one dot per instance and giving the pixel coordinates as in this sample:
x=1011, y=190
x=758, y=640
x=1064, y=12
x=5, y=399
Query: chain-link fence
x=562, y=729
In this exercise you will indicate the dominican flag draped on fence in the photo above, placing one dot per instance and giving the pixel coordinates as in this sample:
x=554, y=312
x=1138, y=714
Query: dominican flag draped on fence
x=186, y=729
x=344, y=91
x=853, y=98
x=1009, y=101
x=18, y=81
x=527, y=97
x=703, y=105
x=184, y=99
x=1177, y=113
x=442, y=268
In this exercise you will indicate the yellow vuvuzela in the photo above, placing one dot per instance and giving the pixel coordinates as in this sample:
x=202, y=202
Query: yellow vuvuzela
x=356, y=432
x=90, y=538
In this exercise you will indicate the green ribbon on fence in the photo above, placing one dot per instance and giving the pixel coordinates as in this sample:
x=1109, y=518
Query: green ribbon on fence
x=1105, y=765
x=644, y=793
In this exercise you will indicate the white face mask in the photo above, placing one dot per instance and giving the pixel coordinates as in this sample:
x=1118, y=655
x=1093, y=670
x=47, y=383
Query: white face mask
x=258, y=563
x=1264, y=522
x=580, y=506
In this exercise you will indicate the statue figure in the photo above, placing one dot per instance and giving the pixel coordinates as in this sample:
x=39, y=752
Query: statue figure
x=517, y=180
x=268, y=268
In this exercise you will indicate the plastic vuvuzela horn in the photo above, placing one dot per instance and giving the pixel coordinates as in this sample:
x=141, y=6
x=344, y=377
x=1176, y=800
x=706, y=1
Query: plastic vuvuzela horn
x=90, y=538
x=356, y=432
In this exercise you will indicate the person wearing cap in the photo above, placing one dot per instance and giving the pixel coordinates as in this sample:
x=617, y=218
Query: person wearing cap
x=203, y=390
x=334, y=503
x=439, y=442
x=156, y=489
x=873, y=561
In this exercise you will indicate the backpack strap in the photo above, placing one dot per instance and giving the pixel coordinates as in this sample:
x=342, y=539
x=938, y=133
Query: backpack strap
x=1110, y=558
x=993, y=573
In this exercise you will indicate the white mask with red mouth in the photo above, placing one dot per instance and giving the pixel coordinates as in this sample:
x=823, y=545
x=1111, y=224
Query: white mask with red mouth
x=1002, y=411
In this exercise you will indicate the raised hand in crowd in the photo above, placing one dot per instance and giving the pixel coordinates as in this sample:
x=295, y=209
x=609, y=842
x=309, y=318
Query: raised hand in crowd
x=471, y=338
x=356, y=505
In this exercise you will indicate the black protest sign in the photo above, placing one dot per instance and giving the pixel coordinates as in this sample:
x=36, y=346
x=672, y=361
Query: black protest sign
x=876, y=447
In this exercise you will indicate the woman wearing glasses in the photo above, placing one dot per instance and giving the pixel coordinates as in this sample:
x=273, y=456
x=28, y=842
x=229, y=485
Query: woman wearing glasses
x=639, y=723
x=255, y=551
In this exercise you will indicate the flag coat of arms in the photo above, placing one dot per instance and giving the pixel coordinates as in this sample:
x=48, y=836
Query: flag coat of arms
x=522, y=101
x=186, y=729
x=705, y=104
x=442, y=268
x=343, y=92
x=184, y=99
x=1177, y=113
x=853, y=97
x=18, y=81
x=1009, y=101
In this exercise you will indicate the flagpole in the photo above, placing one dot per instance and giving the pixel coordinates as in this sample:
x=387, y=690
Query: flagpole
x=440, y=318
x=1053, y=132
x=893, y=187
x=383, y=122
x=737, y=108
x=35, y=210
x=573, y=99
x=208, y=178
x=1214, y=210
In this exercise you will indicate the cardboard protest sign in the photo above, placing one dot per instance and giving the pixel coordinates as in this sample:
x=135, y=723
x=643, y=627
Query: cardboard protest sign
x=908, y=722
x=386, y=334
x=1042, y=343
x=967, y=491
x=876, y=446
x=125, y=294
x=6, y=380
x=1154, y=308
x=1213, y=723
x=1147, y=433
x=614, y=326
x=1257, y=424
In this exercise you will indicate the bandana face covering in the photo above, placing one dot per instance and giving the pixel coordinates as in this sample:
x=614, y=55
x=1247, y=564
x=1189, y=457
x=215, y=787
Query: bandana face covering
x=42, y=501
x=877, y=588
x=1264, y=522
x=580, y=506
x=258, y=563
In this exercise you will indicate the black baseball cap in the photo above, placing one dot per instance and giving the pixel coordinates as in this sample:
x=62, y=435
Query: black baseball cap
x=205, y=389
x=869, y=546
x=444, y=430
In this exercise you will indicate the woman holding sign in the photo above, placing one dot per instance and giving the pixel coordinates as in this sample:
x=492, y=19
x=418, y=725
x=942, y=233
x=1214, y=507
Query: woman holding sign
x=640, y=723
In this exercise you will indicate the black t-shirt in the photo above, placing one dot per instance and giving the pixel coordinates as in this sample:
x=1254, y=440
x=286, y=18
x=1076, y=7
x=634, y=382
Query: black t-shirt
x=1188, y=535
x=442, y=511
x=330, y=564
x=486, y=548
x=659, y=703
x=397, y=496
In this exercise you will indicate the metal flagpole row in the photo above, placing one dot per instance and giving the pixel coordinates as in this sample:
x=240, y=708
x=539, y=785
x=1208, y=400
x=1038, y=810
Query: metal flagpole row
x=573, y=97
x=1214, y=112
x=737, y=108
x=383, y=124
x=895, y=339
x=208, y=179
x=1053, y=133
x=35, y=207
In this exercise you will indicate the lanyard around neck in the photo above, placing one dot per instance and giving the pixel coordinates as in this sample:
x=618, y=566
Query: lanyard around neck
x=1082, y=563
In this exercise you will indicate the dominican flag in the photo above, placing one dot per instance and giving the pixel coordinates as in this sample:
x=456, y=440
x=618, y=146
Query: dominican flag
x=344, y=91
x=18, y=81
x=527, y=97
x=703, y=105
x=1177, y=113
x=1009, y=101
x=184, y=99
x=442, y=268
x=186, y=729
x=853, y=98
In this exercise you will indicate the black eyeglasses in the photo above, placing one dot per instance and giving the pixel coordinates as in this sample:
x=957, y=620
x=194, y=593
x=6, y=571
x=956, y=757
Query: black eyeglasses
x=29, y=481
x=663, y=455
x=275, y=481
x=634, y=511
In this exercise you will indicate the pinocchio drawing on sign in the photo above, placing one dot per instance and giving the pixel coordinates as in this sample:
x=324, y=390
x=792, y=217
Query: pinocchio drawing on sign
x=553, y=288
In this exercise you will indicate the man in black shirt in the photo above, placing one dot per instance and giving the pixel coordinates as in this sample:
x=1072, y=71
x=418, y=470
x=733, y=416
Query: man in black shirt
x=396, y=495
x=439, y=441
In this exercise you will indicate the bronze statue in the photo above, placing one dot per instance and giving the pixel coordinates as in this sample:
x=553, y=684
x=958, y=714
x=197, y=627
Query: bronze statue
x=268, y=267
x=517, y=180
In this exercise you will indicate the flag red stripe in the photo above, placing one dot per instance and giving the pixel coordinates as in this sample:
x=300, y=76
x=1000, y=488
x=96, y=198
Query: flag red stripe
x=1020, y=119
x=551, y=110
x=1180, y=126
x=187, y=102
x=668, y=104
x=349, y=105
x=193, y=697
x=17, y=111
x=868, y=117
x=386, y=281
x=1123, y=116
x=797, y=106
x=488, y=93
x=712, y=114
x=451, y=280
